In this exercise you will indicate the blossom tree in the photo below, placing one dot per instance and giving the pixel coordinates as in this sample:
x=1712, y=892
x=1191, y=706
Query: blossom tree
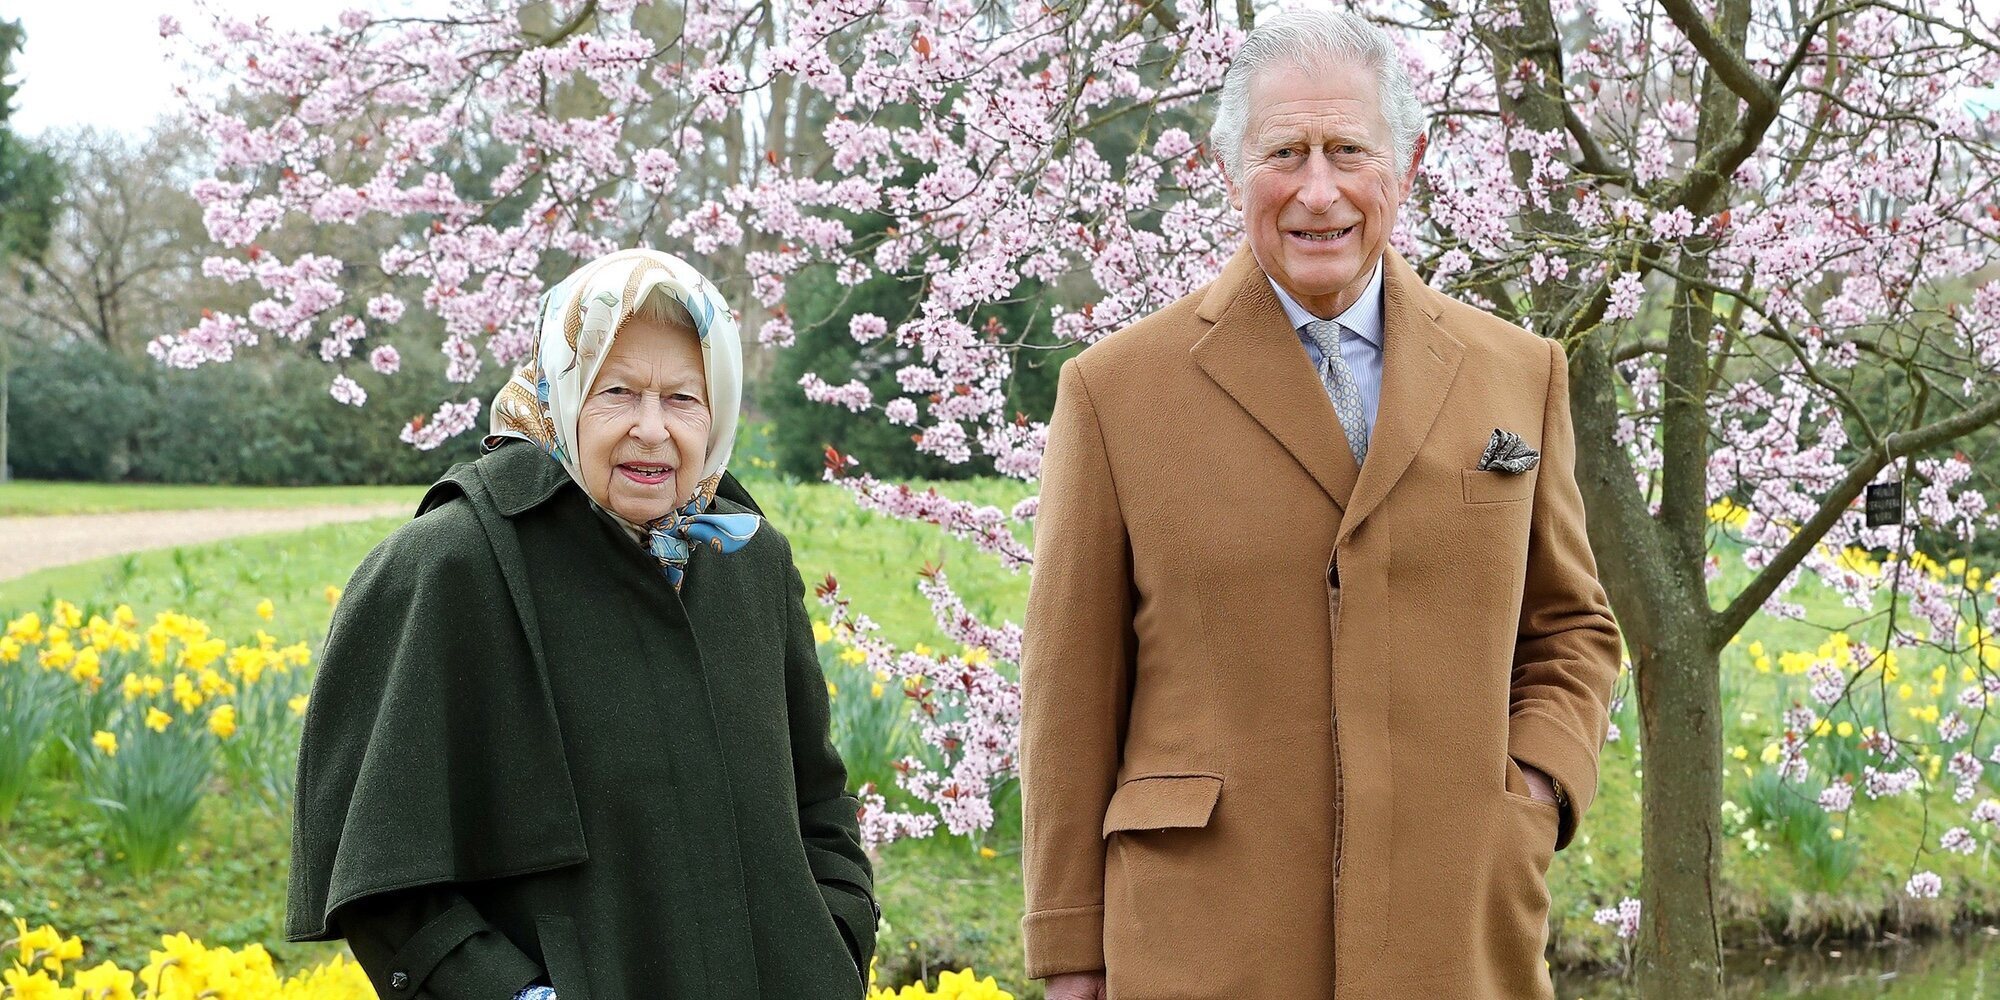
x=1760, y=234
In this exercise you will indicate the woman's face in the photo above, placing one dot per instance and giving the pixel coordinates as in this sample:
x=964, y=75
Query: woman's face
x=642, y=435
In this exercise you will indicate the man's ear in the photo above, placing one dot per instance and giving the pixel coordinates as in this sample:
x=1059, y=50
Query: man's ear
x=1229, y=183
x=1416, y=163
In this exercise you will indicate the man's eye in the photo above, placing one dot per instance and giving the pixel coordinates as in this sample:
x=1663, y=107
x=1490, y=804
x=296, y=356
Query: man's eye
x=685, y=398
x=1283, y=154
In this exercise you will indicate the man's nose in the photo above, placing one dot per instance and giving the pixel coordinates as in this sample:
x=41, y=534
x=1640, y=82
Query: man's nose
x=1319, y=191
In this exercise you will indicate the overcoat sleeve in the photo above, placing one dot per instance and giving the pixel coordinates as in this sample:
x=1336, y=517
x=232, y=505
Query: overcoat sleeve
x=1076, y=682
x=828, y=815
x=430, y=756
x=1567, y=649
x=436, y=934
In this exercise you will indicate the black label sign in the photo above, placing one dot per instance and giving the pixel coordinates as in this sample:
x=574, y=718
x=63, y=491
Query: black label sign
x=1885, y=504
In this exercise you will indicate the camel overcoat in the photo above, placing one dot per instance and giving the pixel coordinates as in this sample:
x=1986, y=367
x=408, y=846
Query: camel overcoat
x=1273, y=703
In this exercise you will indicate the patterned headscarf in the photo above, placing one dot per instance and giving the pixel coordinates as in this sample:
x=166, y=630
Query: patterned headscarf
x=580, y=317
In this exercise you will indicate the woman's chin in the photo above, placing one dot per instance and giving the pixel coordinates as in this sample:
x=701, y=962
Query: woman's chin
x=639, y=507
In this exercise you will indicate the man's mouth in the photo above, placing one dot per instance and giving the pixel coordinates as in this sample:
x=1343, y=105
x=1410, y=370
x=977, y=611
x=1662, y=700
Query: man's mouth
x=1321, y=235
x=646, y=474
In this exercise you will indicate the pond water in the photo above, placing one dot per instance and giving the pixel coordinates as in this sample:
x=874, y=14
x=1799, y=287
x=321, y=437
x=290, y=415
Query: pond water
x=1965, y=966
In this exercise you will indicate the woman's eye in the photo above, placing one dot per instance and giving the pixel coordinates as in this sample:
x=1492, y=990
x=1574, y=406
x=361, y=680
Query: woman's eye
x=617, y=390
x=685, y=398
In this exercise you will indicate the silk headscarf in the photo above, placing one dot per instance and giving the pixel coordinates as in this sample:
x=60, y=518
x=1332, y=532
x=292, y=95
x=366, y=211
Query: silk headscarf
x=580, y=317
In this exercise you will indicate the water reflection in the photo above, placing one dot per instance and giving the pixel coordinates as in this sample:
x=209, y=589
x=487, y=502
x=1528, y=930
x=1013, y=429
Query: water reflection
x=1962, y=967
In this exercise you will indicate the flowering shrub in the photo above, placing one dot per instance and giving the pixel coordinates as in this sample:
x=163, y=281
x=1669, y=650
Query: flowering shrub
x=144, y=717
x=182, y=969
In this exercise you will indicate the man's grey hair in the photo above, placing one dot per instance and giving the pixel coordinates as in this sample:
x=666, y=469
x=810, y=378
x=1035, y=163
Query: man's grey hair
x=1313, y=38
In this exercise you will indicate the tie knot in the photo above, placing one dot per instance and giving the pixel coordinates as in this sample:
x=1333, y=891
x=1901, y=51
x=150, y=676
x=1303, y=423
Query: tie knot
x=1326, y=333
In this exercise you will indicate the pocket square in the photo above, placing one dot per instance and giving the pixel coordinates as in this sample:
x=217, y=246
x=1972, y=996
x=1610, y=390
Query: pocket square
x=1506, y=452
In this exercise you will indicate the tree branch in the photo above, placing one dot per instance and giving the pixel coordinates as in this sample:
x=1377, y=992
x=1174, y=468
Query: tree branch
x=1731, y=619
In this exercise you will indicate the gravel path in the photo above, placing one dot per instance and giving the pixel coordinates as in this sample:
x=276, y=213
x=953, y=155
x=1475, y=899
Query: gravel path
x=28, y=544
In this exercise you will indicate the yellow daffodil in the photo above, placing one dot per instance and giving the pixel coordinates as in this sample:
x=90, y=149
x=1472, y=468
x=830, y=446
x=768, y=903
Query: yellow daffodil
x=1770, y=754
x=297, y=703
x=853, y=655
x=266, y=610
x=1740, y=752
x=976, y=655
x=875, y=690
x=10, y=649
x=66, y=614
x=222, y=721
x=821, y=632
x=1844, y=730
x=186, y=694
x=105, y=742
x=1836, y=833
x=56, y=656
x=332, y=594
x=832, y=689
x=157, y=720
x=105, y=982
x=26, y=630
x=988, y=853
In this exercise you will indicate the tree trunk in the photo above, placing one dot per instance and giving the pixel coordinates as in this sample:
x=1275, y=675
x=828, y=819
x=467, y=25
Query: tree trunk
x=1680, y=726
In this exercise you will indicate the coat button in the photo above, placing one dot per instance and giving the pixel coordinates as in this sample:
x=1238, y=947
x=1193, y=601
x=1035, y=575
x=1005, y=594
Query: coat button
x=399, y=981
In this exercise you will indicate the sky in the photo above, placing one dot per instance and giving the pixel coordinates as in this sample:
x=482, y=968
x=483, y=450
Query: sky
x=103, y=62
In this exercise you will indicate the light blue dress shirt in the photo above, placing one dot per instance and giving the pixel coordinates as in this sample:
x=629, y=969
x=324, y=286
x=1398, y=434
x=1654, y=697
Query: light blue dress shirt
x=1363, y=352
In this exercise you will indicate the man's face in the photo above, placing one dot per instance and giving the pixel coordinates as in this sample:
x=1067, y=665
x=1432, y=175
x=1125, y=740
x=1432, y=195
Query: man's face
x=1320, y=184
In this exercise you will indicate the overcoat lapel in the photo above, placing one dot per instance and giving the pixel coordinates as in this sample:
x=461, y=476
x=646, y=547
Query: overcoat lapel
x=1419, y=361
x=1253, y=353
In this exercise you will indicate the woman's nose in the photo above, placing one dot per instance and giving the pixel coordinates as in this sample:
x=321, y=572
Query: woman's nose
x=651, y=427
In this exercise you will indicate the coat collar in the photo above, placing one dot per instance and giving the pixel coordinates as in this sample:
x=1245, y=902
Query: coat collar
x=1253, y=354
x=517, y=476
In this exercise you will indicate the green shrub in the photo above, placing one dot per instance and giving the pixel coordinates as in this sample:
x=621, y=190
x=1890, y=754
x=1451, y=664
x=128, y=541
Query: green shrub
x=79, y=412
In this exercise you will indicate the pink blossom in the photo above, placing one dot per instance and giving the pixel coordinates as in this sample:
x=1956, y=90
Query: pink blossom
x=346, y=390
x=1623, y=918
x=385, y=360
x=1924, y=885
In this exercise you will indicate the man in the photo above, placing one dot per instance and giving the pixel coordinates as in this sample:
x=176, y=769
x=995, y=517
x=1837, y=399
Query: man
x=1317, y=662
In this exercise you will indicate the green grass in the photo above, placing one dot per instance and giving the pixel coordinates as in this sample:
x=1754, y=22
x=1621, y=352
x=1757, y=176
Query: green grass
x=946, y=904
x=32, y=498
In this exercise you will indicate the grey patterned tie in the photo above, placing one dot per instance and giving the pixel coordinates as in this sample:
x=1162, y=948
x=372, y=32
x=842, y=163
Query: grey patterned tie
x=1340, y=384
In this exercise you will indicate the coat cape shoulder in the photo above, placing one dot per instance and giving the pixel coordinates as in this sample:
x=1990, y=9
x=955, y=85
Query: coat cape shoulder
x=431, y=751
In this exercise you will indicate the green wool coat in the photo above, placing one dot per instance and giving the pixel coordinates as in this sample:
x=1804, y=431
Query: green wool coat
x=528, y=759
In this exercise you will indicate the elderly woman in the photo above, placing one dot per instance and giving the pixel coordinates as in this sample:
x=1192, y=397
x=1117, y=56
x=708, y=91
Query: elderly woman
x=570, y=735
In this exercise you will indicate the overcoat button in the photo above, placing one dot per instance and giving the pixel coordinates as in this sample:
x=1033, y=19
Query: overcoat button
x=399, y=980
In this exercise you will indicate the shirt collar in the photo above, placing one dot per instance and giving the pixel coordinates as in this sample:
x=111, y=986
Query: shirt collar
x=1364, y=317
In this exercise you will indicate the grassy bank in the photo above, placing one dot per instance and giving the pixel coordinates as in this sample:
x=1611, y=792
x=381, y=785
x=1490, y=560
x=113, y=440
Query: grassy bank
x=949, y=903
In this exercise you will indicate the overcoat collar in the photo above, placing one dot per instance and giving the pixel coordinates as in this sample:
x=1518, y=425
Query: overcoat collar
x=1253, y=354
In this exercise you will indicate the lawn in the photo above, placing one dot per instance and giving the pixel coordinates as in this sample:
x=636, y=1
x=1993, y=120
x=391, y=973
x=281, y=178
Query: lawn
x=951, y=902
x=22, y=498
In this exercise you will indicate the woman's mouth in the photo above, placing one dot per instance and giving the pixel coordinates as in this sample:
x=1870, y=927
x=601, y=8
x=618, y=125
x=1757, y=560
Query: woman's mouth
x=1321, y=236
x=646, y=475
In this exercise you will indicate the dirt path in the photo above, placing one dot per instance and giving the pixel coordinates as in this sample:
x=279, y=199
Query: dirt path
x=28, y=544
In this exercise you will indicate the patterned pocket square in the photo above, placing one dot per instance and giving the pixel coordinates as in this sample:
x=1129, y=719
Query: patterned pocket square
x=1506, y=452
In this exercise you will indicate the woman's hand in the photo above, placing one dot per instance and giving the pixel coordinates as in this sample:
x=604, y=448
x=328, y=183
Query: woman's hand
x=1076, y=986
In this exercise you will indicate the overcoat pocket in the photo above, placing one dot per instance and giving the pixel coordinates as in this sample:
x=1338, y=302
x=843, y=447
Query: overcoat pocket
x=563, y=956
x=1488, y=486
x=1163, y=801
